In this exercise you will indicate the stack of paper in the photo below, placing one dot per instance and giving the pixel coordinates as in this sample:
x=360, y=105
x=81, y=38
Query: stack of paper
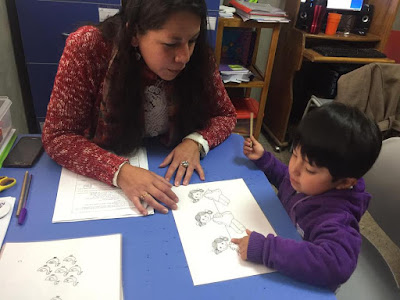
x=79, y=269
x=235, y=73
x=80, y=198
x=226, y=11
x=260, y=12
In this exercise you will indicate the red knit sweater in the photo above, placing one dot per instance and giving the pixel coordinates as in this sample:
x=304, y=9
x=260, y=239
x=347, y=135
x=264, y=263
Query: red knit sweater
x=73, y=111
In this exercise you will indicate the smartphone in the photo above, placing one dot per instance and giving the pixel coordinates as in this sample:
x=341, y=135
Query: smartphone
x=25, y=153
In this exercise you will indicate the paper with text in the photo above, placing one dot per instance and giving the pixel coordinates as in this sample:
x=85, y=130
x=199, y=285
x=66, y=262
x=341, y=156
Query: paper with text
x=79, y=269
x=208, y=216
x=81, y=198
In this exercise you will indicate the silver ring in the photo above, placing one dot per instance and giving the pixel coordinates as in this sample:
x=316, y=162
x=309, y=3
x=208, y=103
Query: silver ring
x=185, y=164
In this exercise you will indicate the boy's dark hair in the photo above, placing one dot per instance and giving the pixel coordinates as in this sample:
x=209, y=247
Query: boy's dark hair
x=193, y=87
x=340, y=138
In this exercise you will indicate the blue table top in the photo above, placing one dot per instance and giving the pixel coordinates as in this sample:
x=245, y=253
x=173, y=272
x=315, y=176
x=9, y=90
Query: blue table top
x=154, y=264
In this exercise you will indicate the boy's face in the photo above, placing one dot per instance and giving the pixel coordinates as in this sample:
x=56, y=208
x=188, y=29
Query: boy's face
x=309, y=179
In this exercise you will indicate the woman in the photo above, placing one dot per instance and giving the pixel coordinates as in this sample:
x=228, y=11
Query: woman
x=145, y=72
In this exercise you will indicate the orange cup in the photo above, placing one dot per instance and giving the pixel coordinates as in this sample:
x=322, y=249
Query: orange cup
x=332, y=23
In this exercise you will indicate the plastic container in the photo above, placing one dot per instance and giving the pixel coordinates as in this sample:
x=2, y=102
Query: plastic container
x=5, y=118
x=332, y=23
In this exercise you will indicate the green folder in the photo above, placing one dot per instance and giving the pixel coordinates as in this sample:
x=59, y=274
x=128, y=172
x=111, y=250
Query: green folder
x=7, y=149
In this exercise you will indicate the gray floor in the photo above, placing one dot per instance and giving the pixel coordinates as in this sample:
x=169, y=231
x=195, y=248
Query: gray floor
x=368, y=226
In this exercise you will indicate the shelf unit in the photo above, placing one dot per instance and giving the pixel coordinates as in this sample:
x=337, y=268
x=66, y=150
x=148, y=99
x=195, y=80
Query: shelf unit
x=294, y=47
x=262, y=78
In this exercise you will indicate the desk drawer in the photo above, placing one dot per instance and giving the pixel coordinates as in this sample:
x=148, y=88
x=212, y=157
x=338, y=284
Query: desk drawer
x=44, y=25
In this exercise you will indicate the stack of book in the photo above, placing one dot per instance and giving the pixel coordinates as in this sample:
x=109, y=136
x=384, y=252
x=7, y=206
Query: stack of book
x=235, y=73
x=260, y=12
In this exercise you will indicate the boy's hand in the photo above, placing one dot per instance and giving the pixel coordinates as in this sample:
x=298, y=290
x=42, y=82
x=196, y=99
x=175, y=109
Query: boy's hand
x=243, y=244
x=252, y=148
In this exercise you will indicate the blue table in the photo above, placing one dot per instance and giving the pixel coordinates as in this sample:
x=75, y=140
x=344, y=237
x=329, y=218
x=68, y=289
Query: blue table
x=154, y=264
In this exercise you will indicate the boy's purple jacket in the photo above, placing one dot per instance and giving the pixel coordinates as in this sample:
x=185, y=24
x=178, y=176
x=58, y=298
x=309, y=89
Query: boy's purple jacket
x=328, y=254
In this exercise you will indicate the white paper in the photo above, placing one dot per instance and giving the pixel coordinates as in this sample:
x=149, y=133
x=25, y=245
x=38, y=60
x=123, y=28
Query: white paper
x=81, y=198
x=211, y=22
x=84, y=268
x=5, y=221
x=208, y=216
x=105, y=13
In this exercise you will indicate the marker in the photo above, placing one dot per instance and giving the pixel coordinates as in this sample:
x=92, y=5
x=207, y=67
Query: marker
x=24, y=211
x=22, y=195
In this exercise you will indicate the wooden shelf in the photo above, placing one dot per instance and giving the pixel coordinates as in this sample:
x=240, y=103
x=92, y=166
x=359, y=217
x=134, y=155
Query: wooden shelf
x=314, y=56
x=261, y=79
x=339, y=36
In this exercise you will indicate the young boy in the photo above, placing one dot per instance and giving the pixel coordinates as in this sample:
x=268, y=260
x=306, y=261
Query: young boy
x=323, y=193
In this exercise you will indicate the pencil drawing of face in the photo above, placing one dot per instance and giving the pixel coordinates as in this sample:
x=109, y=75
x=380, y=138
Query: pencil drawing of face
x=220, y=244
x=196, y=195
x=203, y=217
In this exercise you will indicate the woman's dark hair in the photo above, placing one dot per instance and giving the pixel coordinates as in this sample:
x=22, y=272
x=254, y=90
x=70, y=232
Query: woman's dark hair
x=340, y=138
x=193, y=87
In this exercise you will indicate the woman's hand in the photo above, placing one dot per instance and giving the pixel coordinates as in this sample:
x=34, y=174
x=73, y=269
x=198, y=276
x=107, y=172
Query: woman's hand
x=252, y=148
x=140, y=184
x=188, y=151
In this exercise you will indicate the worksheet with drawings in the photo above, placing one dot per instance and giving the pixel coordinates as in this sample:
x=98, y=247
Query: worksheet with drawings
x=209, y=215
x=73, y=269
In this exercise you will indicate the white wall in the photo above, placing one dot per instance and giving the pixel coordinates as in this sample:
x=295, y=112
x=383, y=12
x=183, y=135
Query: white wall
x=9, y=82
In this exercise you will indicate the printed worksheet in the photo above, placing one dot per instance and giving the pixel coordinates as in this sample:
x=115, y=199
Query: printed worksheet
x=74, y=269
x=209, y=215
x=6, y=210
x=81, y=198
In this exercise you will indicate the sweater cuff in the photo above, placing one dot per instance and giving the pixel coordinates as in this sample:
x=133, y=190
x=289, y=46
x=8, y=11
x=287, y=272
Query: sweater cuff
x=117, y=173
x=263, y=161
x=255, y=247
x=197, y=137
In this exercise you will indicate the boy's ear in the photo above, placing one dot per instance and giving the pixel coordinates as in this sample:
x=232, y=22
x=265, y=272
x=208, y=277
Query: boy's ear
x=346, y=183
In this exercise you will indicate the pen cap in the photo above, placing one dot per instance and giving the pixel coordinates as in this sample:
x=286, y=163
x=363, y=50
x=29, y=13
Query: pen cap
x=22, y=216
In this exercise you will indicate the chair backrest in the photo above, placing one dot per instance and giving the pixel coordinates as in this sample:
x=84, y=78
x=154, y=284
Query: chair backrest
x=375, y=89
x=383, y=183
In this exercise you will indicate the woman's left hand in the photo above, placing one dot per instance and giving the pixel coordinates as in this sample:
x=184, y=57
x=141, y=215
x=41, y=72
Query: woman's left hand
x=187, y=150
